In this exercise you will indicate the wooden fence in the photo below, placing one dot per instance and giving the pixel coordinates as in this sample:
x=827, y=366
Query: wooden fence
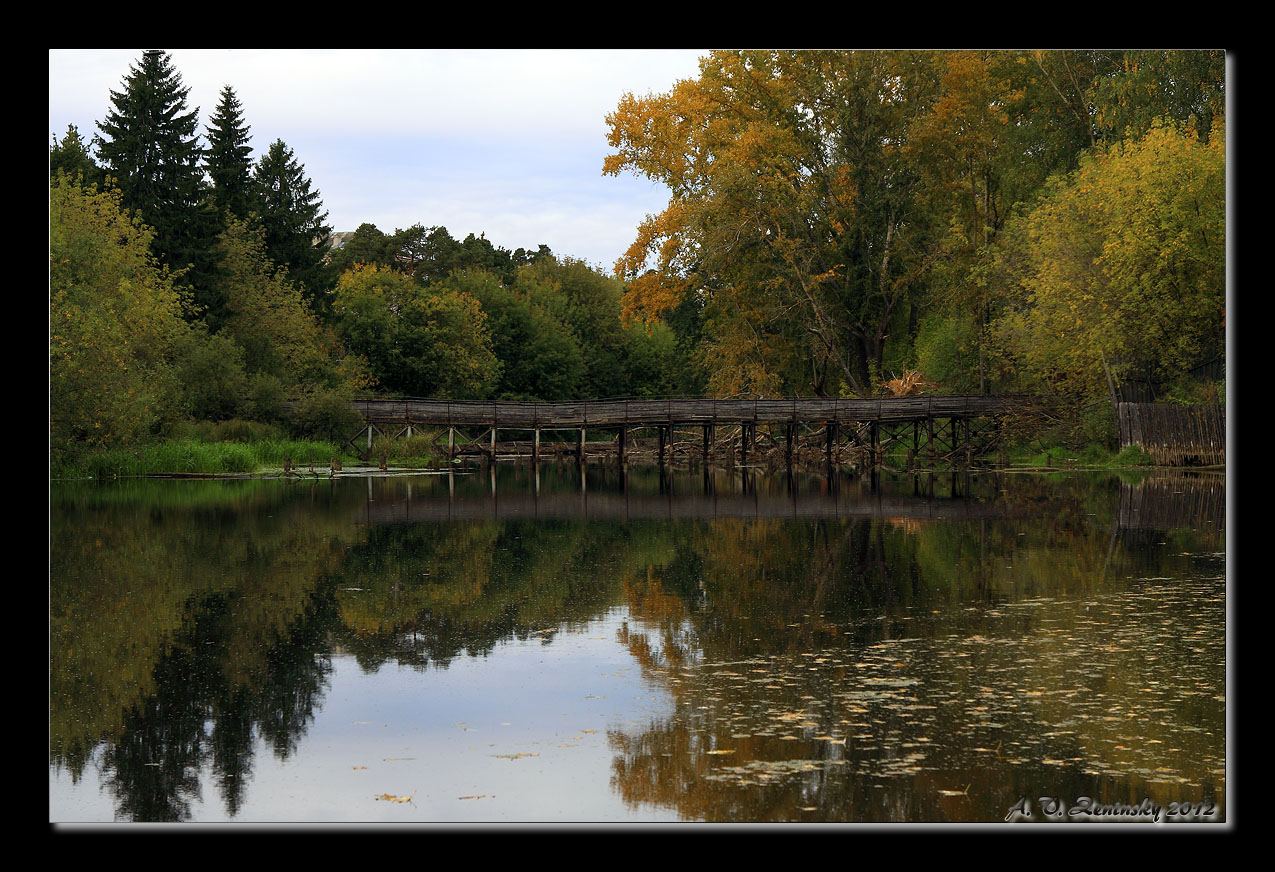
x=1174, y=435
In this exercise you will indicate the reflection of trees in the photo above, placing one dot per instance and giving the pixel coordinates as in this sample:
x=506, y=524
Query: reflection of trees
x=196, y=716
x=427, y=593
x=760, y=630
x=183, y=620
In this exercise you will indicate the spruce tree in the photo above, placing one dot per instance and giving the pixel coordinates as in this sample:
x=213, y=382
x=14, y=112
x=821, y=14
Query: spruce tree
x=71, y=157
x=228, y=159
x=149, y=146
x=293, y=217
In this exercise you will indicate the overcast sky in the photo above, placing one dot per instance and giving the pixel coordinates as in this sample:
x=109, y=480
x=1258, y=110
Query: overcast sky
x=507, y=143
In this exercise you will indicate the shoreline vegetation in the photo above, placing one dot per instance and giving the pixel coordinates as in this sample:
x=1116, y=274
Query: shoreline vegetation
x=259, y=451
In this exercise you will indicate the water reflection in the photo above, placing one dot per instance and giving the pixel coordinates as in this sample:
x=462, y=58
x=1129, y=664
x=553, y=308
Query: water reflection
x=924, y=648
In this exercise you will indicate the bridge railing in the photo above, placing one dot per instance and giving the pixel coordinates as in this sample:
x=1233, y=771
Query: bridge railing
x=640, y=411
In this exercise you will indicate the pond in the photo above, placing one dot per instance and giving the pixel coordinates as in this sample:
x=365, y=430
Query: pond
x=581, y=644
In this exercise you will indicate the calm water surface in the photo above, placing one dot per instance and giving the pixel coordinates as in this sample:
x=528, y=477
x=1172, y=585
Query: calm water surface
x=559, y=645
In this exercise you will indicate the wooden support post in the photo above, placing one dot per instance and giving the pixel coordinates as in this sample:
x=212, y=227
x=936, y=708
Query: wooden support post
x=535, y=445
x=451, y=442
x=580, y=446
x=743, y=444
x=660, y=430
x=492, y=446
x=790, y=435
x=624, y=432
x=707, y=428
x=872, y=439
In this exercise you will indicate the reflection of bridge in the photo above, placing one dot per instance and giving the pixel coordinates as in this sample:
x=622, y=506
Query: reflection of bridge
x=701, y=503
x=939, y=426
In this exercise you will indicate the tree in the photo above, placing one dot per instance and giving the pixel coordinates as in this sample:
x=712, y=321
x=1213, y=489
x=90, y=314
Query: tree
x=591, y=311
x=228, y=159
x=149, y=146
x=71, y=157
x=1185, y=86
x=418, y=341
x=540, y=358
x=1123, y=260
x=115, y=320
x=790, y=192
x=292, y=214
x=268, y=319
x=367, y=245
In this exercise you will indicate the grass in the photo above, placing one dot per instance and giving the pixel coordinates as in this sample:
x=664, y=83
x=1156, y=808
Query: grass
x=1091, y=456
x=184, y=455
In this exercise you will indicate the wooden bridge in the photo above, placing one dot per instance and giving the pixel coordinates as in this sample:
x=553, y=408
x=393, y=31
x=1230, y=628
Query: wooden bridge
x=940, y=426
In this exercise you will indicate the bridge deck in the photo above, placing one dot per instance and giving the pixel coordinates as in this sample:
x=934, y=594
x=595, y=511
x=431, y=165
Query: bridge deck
x=638, y=412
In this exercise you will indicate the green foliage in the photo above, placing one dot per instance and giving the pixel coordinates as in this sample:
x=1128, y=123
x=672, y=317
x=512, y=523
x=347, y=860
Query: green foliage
x=210, y=370
x=71, y=157
x=592, y=314
x=539, y=356
x=1188, y=87
x=652, y=365
x=265, y=398
x=367, y=245
x=296, y=237
x=115, y=323
x=149, y=146
x=430, y=342
x=946, y=352
x=1122, y=261
x=268, y=318
x=228, y=159
x=232, y=430
x=231, y=447
x=325, y=414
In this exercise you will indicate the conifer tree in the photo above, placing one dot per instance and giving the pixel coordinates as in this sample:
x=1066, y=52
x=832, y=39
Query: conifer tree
x=71, y=156
x=149, y=146
x=293, y=217
x=228, y=159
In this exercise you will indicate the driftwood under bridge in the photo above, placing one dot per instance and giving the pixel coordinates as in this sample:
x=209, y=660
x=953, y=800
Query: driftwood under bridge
x=948, y=428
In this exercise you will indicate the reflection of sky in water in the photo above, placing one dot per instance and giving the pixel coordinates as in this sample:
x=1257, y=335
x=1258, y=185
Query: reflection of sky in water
x=523, y=731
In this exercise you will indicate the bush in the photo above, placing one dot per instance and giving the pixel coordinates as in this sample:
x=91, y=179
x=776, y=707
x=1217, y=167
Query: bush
x=211, y=370
x=264, y=399
x=327, y=415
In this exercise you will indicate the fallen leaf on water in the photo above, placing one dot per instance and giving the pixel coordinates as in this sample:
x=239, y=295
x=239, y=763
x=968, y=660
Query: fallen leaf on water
x=721, y=752
x=389, y=797
x=515, y=756
x=479, y=796
x=358, y=767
